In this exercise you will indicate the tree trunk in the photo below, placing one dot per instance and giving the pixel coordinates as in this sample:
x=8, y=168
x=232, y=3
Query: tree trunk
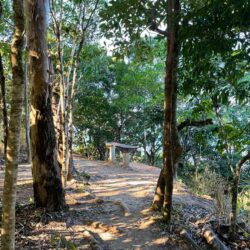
x=171, y=147
x=70, y=166
x=9, y=193
x=5, y=115
x=235, y=185
x=159, y=192
x=55, y=104
x=27, y=114
x=63, y=128
x=47, y=184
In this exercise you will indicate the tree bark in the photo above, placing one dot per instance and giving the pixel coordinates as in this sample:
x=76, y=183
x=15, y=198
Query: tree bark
x=27, y=114
x=164, y=188
x=63, y=130
x=13, y=144
x=4, y=108
x=69, y=166
x=47, y=184
x=236, y=179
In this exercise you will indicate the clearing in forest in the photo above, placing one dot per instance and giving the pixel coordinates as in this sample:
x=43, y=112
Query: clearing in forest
x=110, y=211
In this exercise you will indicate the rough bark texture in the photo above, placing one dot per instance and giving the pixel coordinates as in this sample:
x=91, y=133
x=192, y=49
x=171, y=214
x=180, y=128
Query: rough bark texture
x=235, y=185
x=171, y=146
x=9, y=194
x=57, y=124
x=4, y=106
x=55, y=103
x=48, y=190
x=27, y=114
x=62, y=129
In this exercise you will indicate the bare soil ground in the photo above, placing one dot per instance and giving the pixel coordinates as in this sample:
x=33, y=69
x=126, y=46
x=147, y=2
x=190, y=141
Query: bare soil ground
x=111, y=211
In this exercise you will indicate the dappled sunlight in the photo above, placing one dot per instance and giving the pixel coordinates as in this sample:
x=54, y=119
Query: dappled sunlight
x=147, y=223
x=160, y=241
x=147, y=211
x=114, y=208
x=24, y=182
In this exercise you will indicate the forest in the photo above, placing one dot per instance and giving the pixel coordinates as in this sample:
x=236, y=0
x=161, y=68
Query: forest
x=125, y=124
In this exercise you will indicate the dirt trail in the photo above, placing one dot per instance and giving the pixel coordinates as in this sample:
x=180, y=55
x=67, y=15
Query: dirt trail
x=112, y=211
x=131, y=190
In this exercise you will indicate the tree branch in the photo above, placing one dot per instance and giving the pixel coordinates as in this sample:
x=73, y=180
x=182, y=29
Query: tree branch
x=154, y=28
x=242, y=161
x=193, y=123
x=152, y=14
x=90, y=17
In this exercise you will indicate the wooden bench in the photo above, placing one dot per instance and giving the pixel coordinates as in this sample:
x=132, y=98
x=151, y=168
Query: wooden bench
x=125, y=149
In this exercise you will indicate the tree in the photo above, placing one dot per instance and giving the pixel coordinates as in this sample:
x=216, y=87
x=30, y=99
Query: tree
x=72, y=22
x=4, y=106
x=3, y=97
x=120, y=101
x=9, y=194
x=164, y=189
x=48, y=190
x=200, y=26
x=235, y=186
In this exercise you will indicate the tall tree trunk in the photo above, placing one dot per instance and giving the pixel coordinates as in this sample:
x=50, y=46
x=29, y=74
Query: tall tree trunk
x=71, y=108
x=164, y=188
x=236, y=179
x=9, y=193
x=55, y=104
x=47, y=184
x=62, y=139
x=5, y=115
x=27, y=114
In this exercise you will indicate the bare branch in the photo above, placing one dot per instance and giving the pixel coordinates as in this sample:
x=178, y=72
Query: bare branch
x=90, y=17
x=152, y=16
x=154, y=28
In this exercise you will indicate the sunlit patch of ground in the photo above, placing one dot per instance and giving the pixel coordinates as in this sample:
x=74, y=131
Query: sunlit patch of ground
x=112, y=212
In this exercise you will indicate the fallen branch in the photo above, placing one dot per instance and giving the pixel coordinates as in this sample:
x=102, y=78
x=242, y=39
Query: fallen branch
x=212, y=239
x=184, y=233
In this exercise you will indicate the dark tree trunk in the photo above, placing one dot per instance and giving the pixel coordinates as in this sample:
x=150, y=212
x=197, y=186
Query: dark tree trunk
x=151, y=157
x=101, y=150
x=48, y=190
x=4, y=106
x=55, y=105
x=235, y=185
x=27, y=114
x=164, y=188
x=57, y=124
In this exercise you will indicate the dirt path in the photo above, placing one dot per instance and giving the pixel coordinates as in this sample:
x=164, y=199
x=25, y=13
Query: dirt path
x=131, y=191
x=109, y=213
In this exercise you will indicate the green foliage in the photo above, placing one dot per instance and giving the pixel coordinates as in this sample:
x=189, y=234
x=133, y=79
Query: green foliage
x=59, y=242
x=119, y=101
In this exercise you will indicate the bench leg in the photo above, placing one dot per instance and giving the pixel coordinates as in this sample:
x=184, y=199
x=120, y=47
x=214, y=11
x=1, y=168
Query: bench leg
x=126, y=159
x=112, y=154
